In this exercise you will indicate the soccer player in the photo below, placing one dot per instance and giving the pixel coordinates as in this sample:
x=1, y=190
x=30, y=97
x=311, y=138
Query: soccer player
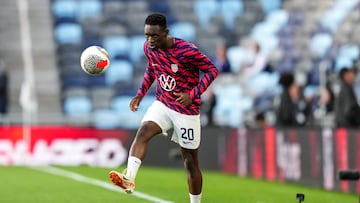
x=176, y=65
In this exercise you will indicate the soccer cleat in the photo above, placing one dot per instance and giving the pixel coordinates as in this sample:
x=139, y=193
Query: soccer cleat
x=122, y=181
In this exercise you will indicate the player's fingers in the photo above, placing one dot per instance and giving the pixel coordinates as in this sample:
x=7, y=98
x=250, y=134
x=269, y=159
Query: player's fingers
x=134, y=108
x=179, y=99
x=134, y=105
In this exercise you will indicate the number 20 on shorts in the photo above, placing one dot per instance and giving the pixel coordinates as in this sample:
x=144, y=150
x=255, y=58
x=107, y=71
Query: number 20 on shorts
x=187, y=133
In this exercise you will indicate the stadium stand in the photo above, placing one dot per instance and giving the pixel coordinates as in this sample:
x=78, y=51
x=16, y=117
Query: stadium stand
x=295, y=37
x=230, y=10
x=117, y=46
x=77, y=105
x=45, y=74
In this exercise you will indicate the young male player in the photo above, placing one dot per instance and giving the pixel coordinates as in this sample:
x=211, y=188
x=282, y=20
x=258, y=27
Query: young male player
x=175, y=64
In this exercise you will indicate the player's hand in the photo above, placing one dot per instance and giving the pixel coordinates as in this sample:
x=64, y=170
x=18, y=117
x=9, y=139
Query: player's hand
x=135, y=102
x=183, y=98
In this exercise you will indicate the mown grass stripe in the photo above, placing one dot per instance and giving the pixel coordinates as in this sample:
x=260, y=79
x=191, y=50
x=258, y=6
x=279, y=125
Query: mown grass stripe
x=92, y=181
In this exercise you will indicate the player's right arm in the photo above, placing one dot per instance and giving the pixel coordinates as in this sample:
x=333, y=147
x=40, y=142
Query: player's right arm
x=149, y=78
x=145, y=86
x=135, y=102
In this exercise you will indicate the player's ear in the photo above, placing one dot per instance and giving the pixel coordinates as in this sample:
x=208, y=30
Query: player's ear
x=166, y=31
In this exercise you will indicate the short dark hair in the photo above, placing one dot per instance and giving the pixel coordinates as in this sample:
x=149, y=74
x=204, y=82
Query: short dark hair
x=156, y=19
x=286, y=79
x=342, y=72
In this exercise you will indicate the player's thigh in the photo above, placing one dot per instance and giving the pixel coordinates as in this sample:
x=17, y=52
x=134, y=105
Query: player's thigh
x=148, y=130
x=156, y=115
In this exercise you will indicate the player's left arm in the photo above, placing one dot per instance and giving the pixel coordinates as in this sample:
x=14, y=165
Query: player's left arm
x=204, y=64
x=200, y=61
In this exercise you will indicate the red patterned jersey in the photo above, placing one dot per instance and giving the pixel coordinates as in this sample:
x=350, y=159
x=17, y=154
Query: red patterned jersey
x=178, y=69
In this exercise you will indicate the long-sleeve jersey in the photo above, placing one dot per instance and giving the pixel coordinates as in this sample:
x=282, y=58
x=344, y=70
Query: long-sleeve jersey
x=177, y=69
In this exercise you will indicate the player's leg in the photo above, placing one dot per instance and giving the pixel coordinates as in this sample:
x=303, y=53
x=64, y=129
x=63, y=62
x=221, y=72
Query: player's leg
x=139, y=147
x=194, y=176
x=154, y=122
x=144, y=134
x=138, y=151
x=187, y=133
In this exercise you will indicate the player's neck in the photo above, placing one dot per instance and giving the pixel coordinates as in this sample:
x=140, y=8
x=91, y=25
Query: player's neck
x=168, y=44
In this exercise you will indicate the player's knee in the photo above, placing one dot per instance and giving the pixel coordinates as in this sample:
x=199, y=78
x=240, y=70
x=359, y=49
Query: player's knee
x=189, y=165
x=147, y=131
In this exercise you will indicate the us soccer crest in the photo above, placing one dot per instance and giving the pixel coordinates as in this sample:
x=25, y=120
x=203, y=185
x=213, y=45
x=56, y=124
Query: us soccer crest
x=174, y=68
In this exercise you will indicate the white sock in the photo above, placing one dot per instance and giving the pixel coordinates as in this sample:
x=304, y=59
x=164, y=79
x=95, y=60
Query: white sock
x=133, y=166
x=195, y=198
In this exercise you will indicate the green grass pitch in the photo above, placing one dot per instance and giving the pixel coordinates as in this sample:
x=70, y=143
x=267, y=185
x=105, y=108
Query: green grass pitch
x=28, y=185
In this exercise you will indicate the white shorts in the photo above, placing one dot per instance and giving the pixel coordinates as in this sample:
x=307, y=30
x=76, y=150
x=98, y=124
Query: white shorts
x=187, y=130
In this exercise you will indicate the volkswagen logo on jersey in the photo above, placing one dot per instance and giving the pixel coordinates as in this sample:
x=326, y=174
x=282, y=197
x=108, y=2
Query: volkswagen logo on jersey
x=168, y=83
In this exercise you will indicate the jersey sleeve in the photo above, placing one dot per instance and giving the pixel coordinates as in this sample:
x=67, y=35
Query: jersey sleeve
x=204, y=64
x=149, y=76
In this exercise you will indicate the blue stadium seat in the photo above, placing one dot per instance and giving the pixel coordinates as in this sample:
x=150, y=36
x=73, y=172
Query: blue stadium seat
x=229, y=112
x=136, y=50
x=96, y=80
x=342, y=62
x=263, y=103
x=265, y=33
x=128, y=119
x=205, y=10
x=285, y=65
x=106, y=119
x=74, y=79
x=68, y=33
x=270, y=5
x=263, y=28
x=159, y=6
x=117, y=46
x=334, y=16
x=121, y=103
x=351, y=51
x=246, y=103
x=320, y=43
x=236, y=56
x=230, y=9
x=89, y=8
x=278, y=19
x=268, y=43
x=162, y=7
x=77, y=106
x=119, y=70
x=263, y=82
x=183, y=30
x=64, y=11
x=311, y=91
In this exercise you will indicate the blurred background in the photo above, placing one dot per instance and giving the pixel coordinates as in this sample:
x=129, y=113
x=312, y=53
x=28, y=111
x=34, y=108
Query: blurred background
x=255, y=44
x=312, y=40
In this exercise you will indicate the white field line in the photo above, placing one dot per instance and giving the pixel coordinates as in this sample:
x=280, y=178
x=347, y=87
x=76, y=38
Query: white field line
x=92, y=181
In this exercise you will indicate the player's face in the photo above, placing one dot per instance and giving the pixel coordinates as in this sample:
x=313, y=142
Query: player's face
x=156, y=36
